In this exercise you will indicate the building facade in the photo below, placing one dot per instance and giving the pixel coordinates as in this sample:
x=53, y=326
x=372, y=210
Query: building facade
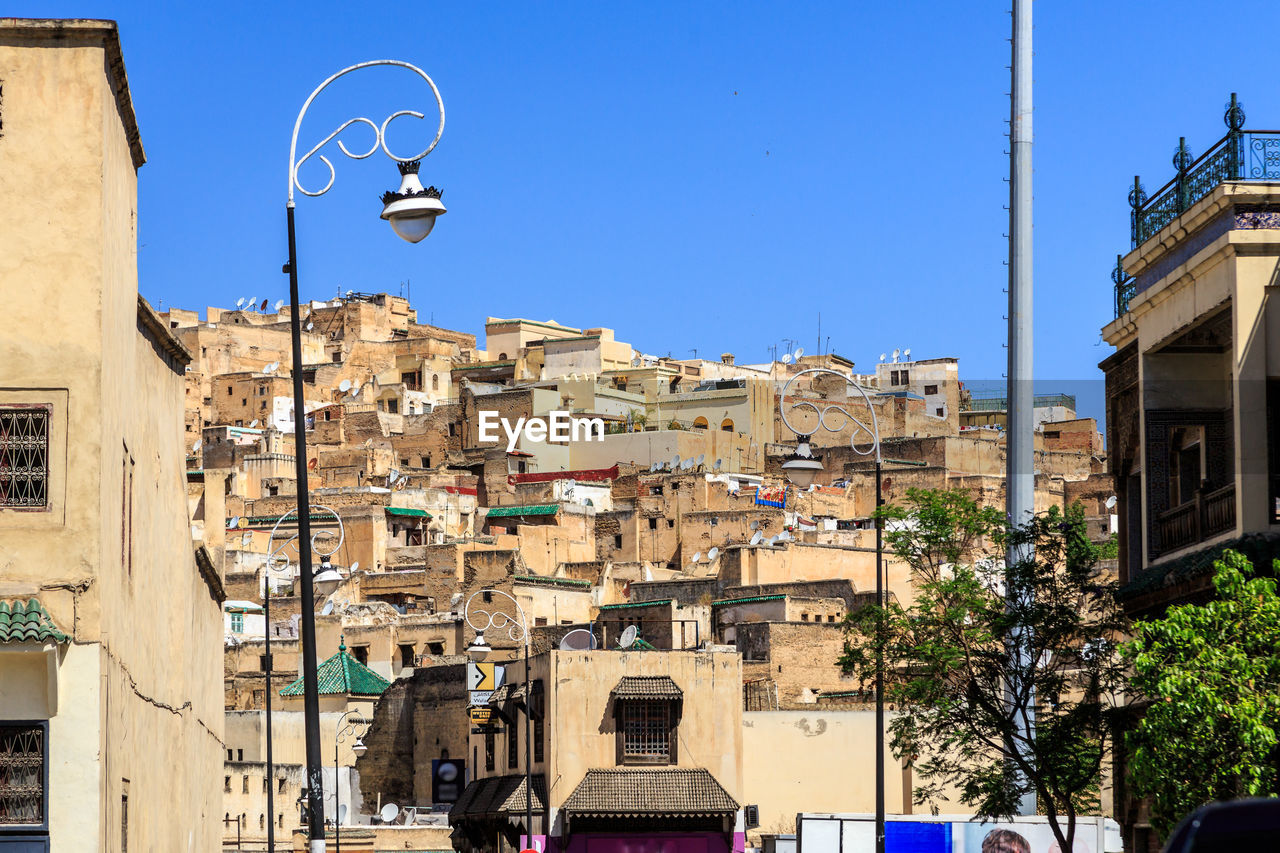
x=110, y=618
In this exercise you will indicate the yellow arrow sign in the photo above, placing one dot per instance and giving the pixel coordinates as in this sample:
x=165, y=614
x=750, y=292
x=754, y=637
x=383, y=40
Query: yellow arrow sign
x=482, y=676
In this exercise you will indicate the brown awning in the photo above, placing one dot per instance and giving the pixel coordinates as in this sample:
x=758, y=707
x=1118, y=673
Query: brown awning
x=498, y=796
x=647, y=687
x=622, y=792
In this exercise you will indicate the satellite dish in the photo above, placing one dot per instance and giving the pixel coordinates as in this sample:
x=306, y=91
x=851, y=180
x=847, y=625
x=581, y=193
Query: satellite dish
x=628, y=637
x=240, y=302
x=342, y=813
x=233, y=523
x=344, y=386
x=571, y=483
x=883, y=356
x=354, y=566
x=251, y=301
x=310, y=326
x=327, y=609
x=896, y=353
x=578, y=640
x=389, y=812
x=755, y=539
x=279, y=304
x=1111, y=502
x=786, y=359
x=755, y=525
x=906, y=353
x=701, y=458
x=697, y=555
x=712, y=554
x=197, y=445
x=799, y=352
x=771, y=540
x=675, y=460
x=253, y=423
x=718, y=463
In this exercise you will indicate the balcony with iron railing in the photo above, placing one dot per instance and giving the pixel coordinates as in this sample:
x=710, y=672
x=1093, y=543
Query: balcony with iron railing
x=1241, y=155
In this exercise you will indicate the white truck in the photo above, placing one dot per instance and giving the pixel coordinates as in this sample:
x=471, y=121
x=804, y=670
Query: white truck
x=856, y=833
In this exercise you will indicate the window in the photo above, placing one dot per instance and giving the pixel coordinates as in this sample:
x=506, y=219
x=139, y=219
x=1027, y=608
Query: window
x=230, y=391
x=124, y=816
x=265, y=783
x=240, y=757
x=671, y=522
x=406, y=654
x=435, y=648
x=262, y=662
x=261, y=822
x=229, y=757
x=726, y=425
x=226, y=780
x=938, y=412
x=361, y=653
x=126, y=512
x=488, y=750
x=244, y=401
x=237, y=623
x=539, y=621
x=699, y=423
x=931, y=389
x=646, y=732
x=244, y=785
x=337, y=356
x=435, y=382
x=24, y=457
x=393, y=406
x=513, y=746
x=281, y=787
x=617, y=541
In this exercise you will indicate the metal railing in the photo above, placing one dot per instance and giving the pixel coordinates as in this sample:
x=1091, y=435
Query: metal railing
x=1241, y=155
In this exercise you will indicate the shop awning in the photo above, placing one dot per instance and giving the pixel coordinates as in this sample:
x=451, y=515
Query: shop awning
x=667, y=791
x=498, y=796
x=406, y=511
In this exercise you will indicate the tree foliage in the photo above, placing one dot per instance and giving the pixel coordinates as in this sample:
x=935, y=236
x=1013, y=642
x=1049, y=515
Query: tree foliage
x=967, y=665
x=1209, y=675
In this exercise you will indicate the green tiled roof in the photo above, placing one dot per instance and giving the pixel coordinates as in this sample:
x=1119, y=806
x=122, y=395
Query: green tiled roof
x=748, y=600
x=401, y=510
x=536, y=509
x=571, y=582
x=27, y=622
x=342, y=675
x=635, y=604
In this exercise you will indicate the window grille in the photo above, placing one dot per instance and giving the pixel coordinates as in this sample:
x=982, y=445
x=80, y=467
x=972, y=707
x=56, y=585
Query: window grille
x=646, y=730
x=24, y=457
x=22, y=775
x=513, y=746
x=237, y=623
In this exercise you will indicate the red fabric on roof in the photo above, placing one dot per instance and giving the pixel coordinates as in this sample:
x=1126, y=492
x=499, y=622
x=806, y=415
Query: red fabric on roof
x=590, y=475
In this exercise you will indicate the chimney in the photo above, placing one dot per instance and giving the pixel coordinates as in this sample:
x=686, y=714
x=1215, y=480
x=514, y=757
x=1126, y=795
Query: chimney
x=726, y=358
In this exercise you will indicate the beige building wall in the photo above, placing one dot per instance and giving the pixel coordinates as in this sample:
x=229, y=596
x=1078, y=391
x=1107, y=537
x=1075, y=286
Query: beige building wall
x=134, y=699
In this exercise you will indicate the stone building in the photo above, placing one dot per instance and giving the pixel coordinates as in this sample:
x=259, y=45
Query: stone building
x=627, y=748
x=110, y=621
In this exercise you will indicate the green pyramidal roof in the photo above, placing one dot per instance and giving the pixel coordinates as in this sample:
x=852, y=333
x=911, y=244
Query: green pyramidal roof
x=27, y=622
x=342, y=675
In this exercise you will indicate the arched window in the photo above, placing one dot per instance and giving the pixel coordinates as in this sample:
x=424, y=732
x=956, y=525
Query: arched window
x=262, y=822
x=726, y=425
x=700, y=423
x=502, y=356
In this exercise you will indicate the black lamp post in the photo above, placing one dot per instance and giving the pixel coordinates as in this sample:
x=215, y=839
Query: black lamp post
x=412, y=211
x=800, y=468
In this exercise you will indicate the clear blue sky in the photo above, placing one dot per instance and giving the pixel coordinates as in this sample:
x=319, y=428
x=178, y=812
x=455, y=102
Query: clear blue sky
x=708, y=175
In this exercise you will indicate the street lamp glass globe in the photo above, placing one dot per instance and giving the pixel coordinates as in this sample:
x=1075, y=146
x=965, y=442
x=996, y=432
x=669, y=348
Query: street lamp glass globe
x=801, y=467
x=413, y=226
x=358, y=748
x=479, y=649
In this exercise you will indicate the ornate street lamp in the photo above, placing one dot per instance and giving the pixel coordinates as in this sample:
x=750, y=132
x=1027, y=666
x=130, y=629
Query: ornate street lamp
x=800, y=468
x=277, y=561
x=517, y=628
x=356, y=727
x=412, y=212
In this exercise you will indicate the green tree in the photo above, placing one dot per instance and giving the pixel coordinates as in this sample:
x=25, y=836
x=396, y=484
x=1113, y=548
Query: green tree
x=966, y=664
x=1209, y=675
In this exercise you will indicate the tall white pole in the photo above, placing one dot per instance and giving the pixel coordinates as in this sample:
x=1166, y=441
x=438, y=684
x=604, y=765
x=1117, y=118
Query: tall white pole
x=1020, y=475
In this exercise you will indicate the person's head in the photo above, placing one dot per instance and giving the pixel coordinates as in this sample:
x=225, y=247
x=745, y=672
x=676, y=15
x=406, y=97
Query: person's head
x=1005, y=841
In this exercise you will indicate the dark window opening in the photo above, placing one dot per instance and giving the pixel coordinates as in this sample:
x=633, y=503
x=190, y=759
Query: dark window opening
x=24, y=457
x=653, y=524
x=361, y=653
x=646, y=732
x=435, y=648
x=488, y=750
x=513, y=746
x=406, y=654
x=931, y=389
